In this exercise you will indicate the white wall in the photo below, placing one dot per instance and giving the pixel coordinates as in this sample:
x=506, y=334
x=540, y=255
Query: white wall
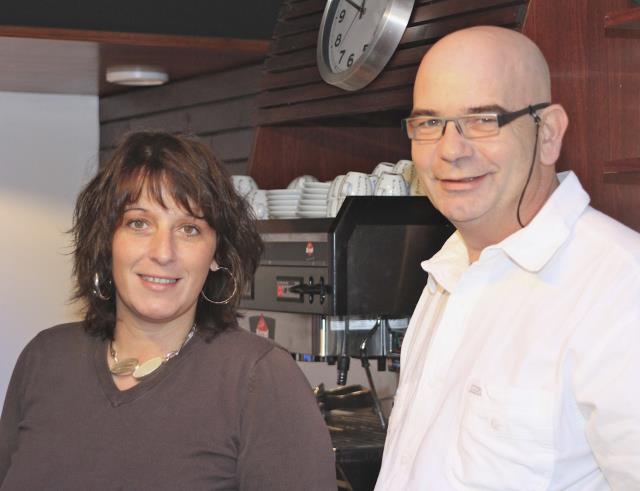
x=48, y=149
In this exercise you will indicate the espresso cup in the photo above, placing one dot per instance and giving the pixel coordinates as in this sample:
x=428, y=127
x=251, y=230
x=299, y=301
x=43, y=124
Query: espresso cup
x=406, y=169
x=298, y=182
x=259, y=203
x=333, y=206
x=391, y=184
x=355, y=184
x=334, y=189
x=383, y=167
x=243, y=184
x=333, y=196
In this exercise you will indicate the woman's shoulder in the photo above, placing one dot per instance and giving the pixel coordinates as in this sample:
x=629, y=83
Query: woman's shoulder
x=66, y=332
x=238, y=346
x=61, y=335
x=239, y=341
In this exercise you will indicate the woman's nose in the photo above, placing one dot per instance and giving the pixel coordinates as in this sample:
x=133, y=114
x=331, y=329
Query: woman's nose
x=162, y=246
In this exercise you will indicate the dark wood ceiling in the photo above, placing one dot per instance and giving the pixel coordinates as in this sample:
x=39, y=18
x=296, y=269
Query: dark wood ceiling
x=65, y=46
x=65, y=61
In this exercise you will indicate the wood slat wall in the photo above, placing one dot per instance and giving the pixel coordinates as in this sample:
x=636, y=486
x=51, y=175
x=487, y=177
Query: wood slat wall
x=595, y=75
x=293, y=90
x=309, y=127
x=219, y=108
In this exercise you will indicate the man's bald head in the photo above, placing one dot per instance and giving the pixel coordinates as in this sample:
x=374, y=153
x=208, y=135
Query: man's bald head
x=488, y=186
x=501, y=62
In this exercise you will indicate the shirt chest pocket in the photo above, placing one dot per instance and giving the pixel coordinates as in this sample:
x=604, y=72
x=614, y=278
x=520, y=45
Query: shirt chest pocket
x=505, y=439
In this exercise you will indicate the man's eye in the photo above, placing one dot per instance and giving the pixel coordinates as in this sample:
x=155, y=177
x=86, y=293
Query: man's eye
x=191, y=230
x=431, y=123
x=481, y=120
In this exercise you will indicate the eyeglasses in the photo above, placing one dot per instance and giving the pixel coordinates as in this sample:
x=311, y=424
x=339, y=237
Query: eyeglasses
x=471, y=126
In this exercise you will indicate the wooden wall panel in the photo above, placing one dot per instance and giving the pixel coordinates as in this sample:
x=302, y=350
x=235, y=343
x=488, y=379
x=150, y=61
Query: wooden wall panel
x=322, y=151
x=294, y=91
x=219, y=108
x=596, y=76
x=309, y=127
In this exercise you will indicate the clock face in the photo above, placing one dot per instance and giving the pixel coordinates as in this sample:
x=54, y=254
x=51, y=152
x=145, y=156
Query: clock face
x=352, y=31
x=357, y=38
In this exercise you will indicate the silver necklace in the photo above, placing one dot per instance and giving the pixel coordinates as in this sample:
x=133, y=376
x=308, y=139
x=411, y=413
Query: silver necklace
x=132, y=366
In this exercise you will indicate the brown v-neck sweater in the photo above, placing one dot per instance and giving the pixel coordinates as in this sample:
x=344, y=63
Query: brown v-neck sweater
x=235, y=413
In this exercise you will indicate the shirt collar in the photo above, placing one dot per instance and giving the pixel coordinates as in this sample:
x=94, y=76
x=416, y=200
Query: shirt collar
x=447, y=266
x=530, y=248
x=533, y=246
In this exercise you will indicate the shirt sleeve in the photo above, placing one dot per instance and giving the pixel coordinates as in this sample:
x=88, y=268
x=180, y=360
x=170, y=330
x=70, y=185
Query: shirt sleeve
x=606, y=385
x=284, y=442
x=11, y=411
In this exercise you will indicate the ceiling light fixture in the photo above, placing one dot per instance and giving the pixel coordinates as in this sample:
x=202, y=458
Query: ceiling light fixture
x=137, y=75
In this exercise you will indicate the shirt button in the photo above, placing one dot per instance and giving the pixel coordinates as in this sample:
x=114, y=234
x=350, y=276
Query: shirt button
x=495, y=424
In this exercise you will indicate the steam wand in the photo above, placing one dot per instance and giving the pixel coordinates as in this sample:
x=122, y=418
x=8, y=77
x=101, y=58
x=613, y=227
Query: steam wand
x=365, y=364
x=343, y=359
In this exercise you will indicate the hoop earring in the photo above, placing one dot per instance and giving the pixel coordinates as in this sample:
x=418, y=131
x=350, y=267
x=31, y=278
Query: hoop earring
x=96, y=288
x=228, y=299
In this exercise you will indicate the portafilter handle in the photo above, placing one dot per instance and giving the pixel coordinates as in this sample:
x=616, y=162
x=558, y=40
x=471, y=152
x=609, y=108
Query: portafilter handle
x=311, y=288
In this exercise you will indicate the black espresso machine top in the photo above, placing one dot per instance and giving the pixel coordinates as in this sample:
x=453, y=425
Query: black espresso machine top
x=363, y=262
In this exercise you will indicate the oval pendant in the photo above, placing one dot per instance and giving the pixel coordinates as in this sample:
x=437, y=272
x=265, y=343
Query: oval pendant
x=124, y=367
x=149, y=366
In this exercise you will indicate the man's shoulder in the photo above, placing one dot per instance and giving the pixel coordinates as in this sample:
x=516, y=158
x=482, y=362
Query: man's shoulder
x=600, y=230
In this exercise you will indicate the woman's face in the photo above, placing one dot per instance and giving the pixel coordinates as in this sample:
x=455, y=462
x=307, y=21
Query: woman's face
x=161, y=258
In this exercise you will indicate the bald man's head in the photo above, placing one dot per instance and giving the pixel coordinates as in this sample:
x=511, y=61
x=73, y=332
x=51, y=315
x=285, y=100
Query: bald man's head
x=488, y=184
x=496, y=62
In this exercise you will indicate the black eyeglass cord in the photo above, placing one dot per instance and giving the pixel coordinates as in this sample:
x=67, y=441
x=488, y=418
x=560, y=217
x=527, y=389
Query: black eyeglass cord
x=536, y=119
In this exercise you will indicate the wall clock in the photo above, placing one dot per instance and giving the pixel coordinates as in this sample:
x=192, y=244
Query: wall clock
x=358, y=37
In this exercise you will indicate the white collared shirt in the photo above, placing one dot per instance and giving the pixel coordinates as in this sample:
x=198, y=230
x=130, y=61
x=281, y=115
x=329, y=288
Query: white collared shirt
x=521, y=371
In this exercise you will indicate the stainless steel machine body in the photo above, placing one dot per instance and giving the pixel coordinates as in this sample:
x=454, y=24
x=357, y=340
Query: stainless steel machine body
x=346, y=272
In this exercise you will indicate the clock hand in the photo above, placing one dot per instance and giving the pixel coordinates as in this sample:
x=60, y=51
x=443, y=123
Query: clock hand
x=362, y=9
x=350, y=26
x=356, y=6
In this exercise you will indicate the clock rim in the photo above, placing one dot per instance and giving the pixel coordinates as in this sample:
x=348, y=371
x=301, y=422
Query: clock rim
x=386, y=38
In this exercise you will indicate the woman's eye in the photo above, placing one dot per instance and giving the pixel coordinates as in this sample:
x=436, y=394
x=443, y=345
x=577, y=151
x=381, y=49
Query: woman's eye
x=137, y=224
x=191, y=230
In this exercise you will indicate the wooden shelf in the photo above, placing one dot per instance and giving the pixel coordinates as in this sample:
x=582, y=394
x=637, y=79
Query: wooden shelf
x=624, y=171
x=628, y=19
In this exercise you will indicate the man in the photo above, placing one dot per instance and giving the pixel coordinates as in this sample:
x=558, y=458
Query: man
x=521, y=365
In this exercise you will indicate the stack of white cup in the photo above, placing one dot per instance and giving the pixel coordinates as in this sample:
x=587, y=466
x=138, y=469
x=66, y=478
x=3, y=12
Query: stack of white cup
x=305, y=197
x=387, y=179
x=246, y=187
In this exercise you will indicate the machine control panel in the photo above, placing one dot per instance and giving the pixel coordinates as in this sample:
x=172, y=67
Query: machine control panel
x=283, y=289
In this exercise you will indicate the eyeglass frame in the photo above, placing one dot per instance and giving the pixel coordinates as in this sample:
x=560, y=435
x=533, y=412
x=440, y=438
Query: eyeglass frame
x=502, y=119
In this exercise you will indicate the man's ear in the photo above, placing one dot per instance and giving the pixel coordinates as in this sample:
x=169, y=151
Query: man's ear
x=554, y=124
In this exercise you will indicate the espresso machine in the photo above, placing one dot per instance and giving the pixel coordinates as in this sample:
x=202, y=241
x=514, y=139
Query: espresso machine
x=356, y=276
x=332, y=289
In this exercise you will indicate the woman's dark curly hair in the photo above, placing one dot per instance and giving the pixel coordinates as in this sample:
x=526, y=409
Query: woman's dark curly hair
x=188, y=170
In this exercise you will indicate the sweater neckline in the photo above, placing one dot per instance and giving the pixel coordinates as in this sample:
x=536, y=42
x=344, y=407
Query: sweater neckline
x=118, y=397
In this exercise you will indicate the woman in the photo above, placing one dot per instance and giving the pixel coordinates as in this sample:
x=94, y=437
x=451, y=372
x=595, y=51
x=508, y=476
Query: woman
x=158, y=388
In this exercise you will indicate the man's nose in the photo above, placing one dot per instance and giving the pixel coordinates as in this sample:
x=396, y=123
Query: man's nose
x=452, y=144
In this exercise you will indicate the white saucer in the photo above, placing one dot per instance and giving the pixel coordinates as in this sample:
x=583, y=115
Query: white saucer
x=284, y=192
x=313, y=202
x=315, y=192
x=311, y=214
